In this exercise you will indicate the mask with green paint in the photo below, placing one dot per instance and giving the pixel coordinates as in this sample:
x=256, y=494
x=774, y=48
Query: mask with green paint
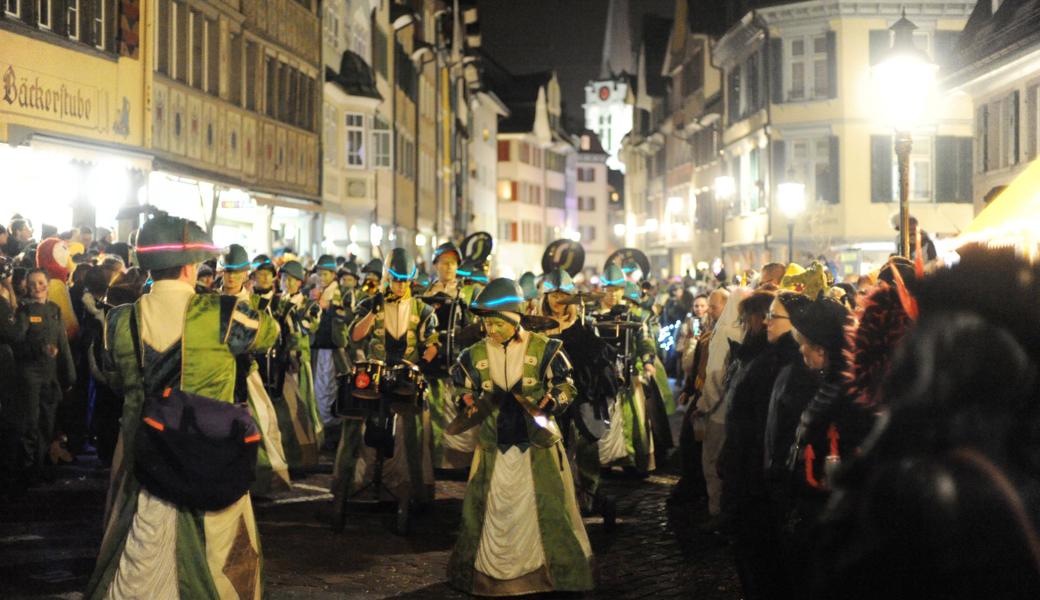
x=498, y=329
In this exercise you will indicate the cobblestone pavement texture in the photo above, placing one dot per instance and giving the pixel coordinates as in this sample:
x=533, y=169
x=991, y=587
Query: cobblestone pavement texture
x=49, y=539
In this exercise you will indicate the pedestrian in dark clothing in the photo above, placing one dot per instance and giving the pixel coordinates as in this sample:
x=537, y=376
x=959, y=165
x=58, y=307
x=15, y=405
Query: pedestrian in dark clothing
x=45, y=366
x=12, y=333
x=770, y=390
x=19, y=235
x=106, y=406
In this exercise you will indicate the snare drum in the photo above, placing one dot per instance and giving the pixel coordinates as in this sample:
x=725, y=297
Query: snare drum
x=405, y=386
x=360, y=388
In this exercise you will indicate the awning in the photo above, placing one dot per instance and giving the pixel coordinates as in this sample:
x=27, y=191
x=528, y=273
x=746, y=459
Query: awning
x=1013, y=217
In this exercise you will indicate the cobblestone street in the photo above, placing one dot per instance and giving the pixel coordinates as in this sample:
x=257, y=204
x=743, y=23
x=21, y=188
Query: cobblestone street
x=49, y=538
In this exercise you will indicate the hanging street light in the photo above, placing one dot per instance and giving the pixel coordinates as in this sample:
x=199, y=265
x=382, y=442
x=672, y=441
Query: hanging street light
x=790, y=197
x=903, y=80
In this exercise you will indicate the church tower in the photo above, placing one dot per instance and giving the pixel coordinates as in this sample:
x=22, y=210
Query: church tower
x=607, y=110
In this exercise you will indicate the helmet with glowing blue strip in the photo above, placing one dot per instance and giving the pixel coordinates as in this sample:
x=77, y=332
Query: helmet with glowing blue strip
x=400, y=271
x=559, y=281
x=164, y=242
x=500, y=306
x=472, y=271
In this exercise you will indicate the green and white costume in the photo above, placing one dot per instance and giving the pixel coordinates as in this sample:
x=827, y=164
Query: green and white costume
x=521, y=531
x=402, y=330
x=296, y=405
x=629, y=442
x=152, y=548
x=272, y=469
x=449, y=451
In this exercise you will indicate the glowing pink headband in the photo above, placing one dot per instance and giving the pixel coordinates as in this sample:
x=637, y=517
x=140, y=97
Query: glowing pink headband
x=168, y=247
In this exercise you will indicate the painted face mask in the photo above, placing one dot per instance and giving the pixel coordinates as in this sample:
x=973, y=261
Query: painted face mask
x=498, y=330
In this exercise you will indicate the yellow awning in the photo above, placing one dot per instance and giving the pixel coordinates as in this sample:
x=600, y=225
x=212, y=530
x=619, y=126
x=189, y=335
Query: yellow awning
x=1013, y=217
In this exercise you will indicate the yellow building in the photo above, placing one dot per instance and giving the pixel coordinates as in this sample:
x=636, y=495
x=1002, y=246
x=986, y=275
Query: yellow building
x=234, y=92
x=72, y=113
x=800, y=107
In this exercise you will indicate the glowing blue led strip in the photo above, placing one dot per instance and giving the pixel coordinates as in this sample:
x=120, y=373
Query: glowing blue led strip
x=399, y=276
x=501, y=301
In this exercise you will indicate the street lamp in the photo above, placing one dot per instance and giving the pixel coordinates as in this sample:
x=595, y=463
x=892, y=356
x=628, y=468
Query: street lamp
x=790, y=197
x=619, y=229
x=725, y=189
x=903, y=79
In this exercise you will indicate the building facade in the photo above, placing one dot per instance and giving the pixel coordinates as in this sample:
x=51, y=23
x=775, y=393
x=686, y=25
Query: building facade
x=73, y=112
x=486, y=109
x=1004, y=87
x=592, y=189
x=235, y=93
x=798, y=106
x=783, y=93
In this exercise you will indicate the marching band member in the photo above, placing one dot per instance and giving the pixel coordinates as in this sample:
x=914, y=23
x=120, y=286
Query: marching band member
x=154, y=548
x=329, y=338
x=521, y=531
x=448, y=295
x=298, y=417
x=595, y=380
x=657, y=391
x=391, y=329
x=272, y=471
x=630, y=444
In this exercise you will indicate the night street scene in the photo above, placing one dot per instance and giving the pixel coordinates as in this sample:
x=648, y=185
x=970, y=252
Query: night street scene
x=441, y=299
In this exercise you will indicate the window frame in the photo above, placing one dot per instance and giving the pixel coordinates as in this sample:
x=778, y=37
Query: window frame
x=72, y=24
x=809, y=60
x=382, y=144
x=17, y=12
x=49, y=25
x=358, y=130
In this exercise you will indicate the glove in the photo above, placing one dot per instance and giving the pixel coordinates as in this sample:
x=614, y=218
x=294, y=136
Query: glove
x=378, y=300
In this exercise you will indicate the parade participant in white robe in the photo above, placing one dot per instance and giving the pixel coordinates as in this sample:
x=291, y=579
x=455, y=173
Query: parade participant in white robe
x=521, y=530
x=153, y=548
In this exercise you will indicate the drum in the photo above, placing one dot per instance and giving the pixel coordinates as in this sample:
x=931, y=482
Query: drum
x=359, y=388
x=405, y=386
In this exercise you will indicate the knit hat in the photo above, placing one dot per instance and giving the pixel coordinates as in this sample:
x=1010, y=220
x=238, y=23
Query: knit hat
x=822, y=322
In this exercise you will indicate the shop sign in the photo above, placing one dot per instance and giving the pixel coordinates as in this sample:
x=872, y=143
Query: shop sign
x=35, y=94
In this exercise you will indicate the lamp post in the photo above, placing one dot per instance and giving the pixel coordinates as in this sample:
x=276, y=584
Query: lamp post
x=903, y=80
x=791, y=198
x=725, y=189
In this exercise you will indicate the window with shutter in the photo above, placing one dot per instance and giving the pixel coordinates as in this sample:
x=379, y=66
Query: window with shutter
x=953, y=169
x=1010, y=133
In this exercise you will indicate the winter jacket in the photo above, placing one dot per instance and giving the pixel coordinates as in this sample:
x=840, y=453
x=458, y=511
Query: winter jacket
x=751, y=376
x=793, y=389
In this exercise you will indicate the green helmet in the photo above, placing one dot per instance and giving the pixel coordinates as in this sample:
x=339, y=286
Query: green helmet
x=262, y=262
x=294, y=269
x=373, y=267
x=471, y=270
x=558, y=280
x=527, y=284
x=235, y=259
x=349, y=267
x=401, y=266
x=447, y=248
x=501, y=295
x=613, y=276
x=326, y=262
x=632, y=292
x=165, y=242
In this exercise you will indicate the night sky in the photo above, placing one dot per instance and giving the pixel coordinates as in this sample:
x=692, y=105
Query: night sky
x=567, y=35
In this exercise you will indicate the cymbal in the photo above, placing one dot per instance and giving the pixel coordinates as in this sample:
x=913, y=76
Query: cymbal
x=463, y=423
x=538, y=323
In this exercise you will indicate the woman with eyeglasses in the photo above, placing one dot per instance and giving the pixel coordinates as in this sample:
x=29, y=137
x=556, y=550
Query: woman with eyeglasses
x=768, y=374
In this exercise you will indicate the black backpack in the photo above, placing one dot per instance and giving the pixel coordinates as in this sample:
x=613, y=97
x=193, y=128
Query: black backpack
x=192, y=450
